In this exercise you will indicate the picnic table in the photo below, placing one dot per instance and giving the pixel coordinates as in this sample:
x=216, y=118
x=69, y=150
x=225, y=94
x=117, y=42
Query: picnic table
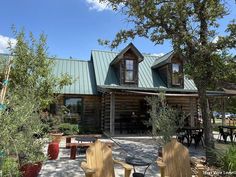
x=191, y=133
x=231, y=130
x=82, y=138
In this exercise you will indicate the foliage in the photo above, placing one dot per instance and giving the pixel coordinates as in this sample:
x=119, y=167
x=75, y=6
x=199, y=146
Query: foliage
x=10, y=167
x=52, y=122
x=230, y=107
x=34, y=70
x=68, y=129
x=164, y=120
x=227, y=159
x=192, y=27
x=32, y=87
x=19, y=125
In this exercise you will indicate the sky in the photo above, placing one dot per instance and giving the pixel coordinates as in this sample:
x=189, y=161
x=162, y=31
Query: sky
x=73, y=27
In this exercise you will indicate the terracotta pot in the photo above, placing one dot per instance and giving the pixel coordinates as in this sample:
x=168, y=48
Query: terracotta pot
x=53, y=150
x=31, y=170
x=56, y=137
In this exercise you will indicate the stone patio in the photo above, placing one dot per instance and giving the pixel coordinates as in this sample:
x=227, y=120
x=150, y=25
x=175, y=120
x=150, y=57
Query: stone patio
x=143, y=147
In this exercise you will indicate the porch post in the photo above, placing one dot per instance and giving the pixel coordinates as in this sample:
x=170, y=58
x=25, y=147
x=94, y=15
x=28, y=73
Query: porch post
x=112, y=113
x=191, y=112
x=223, y=110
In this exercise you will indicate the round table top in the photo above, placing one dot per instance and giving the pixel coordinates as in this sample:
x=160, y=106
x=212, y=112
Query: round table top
x=136, y=161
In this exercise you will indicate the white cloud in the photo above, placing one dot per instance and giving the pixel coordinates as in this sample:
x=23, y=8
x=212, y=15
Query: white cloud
x=157, y=54
x=96, y=5
x=4, y=43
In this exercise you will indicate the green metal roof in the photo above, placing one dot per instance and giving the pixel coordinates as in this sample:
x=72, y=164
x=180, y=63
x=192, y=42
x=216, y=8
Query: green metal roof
x=148, y=77
x=87, y=75
x=162, y=60
x=81, y=72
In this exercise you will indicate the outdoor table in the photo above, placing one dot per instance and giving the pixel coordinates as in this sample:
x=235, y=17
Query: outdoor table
x=86, y=139
x=231, y=128
x=137, y=162
x=189, y=131
x=83, y=138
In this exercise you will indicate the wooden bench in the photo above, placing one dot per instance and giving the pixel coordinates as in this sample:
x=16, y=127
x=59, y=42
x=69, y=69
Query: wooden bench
x=73, y=147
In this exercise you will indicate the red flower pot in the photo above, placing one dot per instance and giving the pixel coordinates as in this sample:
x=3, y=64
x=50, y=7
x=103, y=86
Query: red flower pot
x=53, y=150
x=31, y=170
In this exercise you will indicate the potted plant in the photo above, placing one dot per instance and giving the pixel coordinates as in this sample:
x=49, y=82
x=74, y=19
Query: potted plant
x=31, y=165
x=30, y=151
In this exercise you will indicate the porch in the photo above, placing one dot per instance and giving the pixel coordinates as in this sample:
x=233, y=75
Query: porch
x=126, y=111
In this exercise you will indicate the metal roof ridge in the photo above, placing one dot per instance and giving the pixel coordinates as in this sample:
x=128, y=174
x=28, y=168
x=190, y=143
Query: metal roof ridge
x=166, y=54
x=104, y=51
x=69, y=59
x=150, y=55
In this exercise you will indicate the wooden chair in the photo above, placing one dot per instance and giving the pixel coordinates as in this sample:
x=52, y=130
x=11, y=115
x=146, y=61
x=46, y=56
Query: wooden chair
x=100, y=163
x=176, y=162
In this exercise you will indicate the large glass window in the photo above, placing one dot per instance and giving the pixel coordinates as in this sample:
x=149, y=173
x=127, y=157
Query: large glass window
x=75, y=107
x=176, y=74
x=129, y=70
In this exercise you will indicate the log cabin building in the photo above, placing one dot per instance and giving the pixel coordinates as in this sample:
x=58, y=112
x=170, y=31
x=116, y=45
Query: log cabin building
x=109, y=90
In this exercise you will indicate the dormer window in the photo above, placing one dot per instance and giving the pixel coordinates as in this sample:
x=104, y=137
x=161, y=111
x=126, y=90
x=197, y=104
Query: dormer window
x=129, y=70
x=176, y=74
x=125, y=64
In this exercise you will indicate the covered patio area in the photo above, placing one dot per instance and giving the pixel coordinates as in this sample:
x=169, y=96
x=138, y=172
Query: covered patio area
x=125, y=111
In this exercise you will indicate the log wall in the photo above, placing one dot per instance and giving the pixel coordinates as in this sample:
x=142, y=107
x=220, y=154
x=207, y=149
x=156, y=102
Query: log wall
x=90, y=112
x=126, y=104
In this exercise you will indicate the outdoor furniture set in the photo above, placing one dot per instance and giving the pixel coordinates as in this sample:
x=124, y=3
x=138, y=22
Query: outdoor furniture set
x=190, y=134
x=225, y=131
x=99, y=162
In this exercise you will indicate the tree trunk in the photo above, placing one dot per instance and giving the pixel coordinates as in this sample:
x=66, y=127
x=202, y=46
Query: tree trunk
x=209, y=141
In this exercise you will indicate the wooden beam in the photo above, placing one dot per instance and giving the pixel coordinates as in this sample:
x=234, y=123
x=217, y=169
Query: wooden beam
x=112, y=113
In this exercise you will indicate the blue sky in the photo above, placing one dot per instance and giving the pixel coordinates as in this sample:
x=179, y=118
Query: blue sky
x=72, y=26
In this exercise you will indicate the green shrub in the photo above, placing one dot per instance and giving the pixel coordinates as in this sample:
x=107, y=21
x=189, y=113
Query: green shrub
x=227, y=159
x=10, y=167
x=68, y=129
